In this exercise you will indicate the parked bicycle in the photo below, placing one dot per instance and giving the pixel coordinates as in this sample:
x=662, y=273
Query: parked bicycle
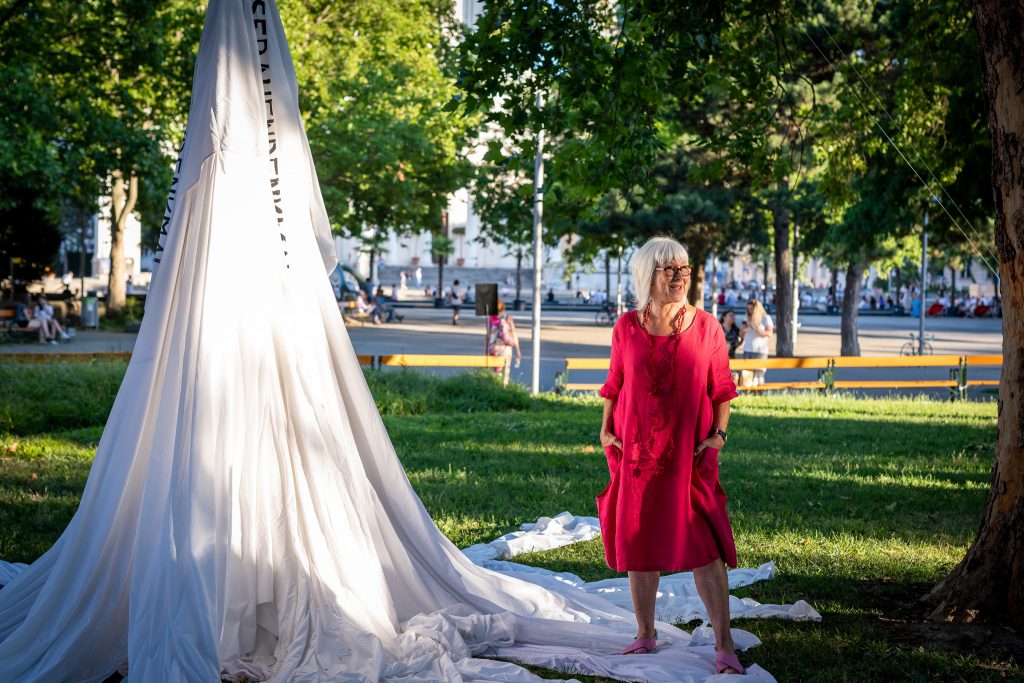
x=607, y=315
x=913, y=347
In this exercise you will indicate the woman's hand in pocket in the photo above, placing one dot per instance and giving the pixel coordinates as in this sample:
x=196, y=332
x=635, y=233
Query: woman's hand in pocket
x=609, y=439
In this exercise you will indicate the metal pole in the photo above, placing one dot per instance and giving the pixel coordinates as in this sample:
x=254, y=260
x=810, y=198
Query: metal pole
x=619, y=306
x=924, y=284
x=714, y=285
x=538, y=252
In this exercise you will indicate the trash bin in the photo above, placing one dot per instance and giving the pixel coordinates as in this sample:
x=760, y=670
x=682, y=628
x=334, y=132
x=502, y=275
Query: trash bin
x=90, y=312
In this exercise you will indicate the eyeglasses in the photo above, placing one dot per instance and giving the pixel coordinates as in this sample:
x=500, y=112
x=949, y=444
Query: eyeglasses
x=675, y=271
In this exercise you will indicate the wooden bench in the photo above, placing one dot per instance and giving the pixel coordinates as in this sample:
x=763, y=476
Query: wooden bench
x=104, y=355
x=958, y=381
x=351, y=312
x=9, y=329
x=423, y=360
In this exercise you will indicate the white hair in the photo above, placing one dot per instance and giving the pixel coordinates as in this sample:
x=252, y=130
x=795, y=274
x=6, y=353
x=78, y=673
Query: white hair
x=656, y=252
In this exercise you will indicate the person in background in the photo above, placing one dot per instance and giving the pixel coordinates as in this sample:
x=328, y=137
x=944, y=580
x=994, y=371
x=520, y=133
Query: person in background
x=755, y=332
x=502, y=340
x=385, y=309
x=731, y=329
x=456, y=297
x=48, y=323
x=364, y=305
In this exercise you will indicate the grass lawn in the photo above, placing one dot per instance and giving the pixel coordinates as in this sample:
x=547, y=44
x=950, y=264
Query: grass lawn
x=863, y=504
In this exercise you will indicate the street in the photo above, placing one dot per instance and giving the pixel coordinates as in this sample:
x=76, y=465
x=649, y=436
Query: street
x=572, y=333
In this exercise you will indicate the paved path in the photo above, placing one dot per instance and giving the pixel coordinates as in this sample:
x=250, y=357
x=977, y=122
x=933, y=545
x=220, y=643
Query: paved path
x=573, y=333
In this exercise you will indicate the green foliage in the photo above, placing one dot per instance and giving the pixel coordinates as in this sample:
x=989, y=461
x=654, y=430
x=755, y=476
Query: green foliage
x=54, y=397
x=41, y=397
x=372, y=76
x=407, y=392
x=129, y=315
x=603, y=71
x=95, y=87
x=29, y=235
x=791, y=104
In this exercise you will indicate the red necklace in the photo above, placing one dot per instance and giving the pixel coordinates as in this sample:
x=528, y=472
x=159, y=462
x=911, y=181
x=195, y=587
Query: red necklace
x=660, y=368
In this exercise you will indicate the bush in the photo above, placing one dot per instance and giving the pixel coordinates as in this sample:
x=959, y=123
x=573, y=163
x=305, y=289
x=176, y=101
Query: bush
x=409, y=392
x=46, y=397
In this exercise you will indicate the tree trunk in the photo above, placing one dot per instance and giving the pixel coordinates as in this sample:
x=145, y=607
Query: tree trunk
x=619, y=298
x=519, y=275
x=608, y=273
x=123, y=197
x=796, y=284
x=714, y=285
x=696, y=293
x=784, y=341
x=373, y=263
x=850, y=345
x=952, y=292
x=835, y=286
x=988, y=584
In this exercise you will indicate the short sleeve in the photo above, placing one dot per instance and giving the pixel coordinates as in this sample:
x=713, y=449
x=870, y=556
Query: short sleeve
x=613, y=384
x=721, y=388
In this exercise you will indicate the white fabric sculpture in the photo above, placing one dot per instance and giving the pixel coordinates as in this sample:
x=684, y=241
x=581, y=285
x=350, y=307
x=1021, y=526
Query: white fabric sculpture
x=246, y=513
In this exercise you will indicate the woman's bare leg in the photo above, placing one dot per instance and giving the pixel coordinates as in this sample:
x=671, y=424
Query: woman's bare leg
x=713, y=589
x=643, y=586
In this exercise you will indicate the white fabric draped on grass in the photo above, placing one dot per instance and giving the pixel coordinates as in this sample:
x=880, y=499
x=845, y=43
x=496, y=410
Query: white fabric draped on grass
x=677, y=601
x=246, y=513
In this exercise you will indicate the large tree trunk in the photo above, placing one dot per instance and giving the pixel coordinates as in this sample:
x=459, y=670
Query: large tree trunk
x=988, y=584
x=850, y=344
x=123, y=197
x=697, y=276
x=785, y=343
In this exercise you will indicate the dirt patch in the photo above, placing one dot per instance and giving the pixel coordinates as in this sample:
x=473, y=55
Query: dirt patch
x=904, y=621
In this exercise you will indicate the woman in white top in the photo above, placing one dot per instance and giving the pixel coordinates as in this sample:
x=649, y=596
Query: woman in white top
x=755, y=331
x=48, y=323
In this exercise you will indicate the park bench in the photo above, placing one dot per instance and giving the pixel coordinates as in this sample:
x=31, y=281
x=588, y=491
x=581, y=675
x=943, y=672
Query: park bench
x=423, y=360
x=351, y=312
x=9, y=330
x=827, y=367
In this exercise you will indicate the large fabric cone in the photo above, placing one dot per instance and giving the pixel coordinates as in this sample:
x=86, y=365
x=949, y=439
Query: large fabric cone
x=246, y=512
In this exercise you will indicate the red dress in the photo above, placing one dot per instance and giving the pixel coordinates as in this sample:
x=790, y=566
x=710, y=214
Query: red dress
x=664, y=510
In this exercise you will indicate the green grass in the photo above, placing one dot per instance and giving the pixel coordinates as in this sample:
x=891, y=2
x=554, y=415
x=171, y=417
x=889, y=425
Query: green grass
x=863, y=504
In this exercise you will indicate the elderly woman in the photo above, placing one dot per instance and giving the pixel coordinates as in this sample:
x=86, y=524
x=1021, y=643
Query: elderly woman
x=666, y=412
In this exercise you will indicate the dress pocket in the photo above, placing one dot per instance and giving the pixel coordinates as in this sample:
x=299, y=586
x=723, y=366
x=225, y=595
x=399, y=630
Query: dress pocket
x=613, y=455
x=707, y=462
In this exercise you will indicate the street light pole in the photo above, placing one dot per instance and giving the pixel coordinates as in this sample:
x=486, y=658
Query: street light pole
x=538, y=252
x=924, y=284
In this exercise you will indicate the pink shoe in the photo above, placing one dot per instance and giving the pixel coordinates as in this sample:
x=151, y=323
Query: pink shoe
x=642, y=646
x=728, y=660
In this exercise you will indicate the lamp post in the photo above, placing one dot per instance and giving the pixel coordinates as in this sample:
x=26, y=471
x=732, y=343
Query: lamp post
x=538, y=248
x=924, y=284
